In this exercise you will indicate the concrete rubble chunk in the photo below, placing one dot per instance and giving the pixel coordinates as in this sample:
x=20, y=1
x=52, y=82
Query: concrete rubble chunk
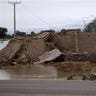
x=49, y=56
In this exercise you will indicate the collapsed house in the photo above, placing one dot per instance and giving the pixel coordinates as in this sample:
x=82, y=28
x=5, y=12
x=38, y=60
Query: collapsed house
x=26, y=49
x=47, y=46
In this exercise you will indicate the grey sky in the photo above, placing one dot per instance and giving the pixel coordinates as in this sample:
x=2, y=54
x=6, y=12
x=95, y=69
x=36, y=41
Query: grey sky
x=47, y=13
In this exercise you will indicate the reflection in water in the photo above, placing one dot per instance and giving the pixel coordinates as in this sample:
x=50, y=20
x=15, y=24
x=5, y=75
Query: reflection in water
x=26, y=72
x=4, y=75
x=44, y=71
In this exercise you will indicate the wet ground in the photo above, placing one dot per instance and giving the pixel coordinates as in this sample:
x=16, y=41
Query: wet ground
x=39, y=71
x=28, y=72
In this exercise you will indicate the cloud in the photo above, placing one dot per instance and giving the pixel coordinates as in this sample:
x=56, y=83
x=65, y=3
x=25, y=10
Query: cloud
x=46, y=13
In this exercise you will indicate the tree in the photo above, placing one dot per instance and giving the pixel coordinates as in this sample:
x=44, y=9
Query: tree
x=8, y=36
x=50, y=30
x=63, y=30
x=3, y=32
x=91, y=27
x=33, y=33
x=20, y=33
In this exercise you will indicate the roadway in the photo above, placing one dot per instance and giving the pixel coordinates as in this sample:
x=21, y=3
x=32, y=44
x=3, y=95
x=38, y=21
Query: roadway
x=48, y=87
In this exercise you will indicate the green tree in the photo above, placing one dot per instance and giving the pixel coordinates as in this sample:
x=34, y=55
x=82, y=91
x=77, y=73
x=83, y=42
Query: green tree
x=63, y=30
x=8, y=36
x=33, y=33
x=91, y=27
x=50, y=30
x=20, y=33
x=3, y=32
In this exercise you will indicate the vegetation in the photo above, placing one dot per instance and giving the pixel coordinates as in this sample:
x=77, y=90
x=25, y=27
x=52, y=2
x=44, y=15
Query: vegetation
x=93, y=56
x=4, y=35
x=63, y=30
x=33, y=33
x=20, y=33
x=92, y=77
x=50, y=30
x=3, y=32
x=91, y=27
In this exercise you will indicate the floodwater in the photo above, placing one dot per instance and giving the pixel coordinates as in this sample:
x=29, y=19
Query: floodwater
x=28, y=72
x=37, y=71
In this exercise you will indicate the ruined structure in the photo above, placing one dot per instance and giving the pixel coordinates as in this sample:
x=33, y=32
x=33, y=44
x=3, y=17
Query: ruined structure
x=28, y=49
x=75, y=41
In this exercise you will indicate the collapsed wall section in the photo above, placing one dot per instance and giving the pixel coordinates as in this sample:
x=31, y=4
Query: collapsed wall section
x=74, y=41
x=65, y=41
x=87, y=41
x=8, y=52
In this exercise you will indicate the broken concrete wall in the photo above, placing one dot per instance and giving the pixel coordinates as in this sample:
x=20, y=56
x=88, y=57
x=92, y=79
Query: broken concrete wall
x=67, y=41
x=9, y=51
x=87, y=41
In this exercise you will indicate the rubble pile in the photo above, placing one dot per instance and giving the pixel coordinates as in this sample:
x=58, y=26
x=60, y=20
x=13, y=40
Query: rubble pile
x=75, y=67
x=77, y=57
x=26, y=50
x=40, y=48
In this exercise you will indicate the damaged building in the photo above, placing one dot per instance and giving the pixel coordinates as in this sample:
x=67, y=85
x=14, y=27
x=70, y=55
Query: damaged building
x=49, y=45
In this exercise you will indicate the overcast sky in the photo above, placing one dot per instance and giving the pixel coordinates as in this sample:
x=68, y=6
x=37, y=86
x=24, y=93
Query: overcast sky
x=32, y=14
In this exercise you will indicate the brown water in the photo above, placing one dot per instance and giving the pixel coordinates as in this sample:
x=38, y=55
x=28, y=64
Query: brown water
x=36, y=72
x=28, y=72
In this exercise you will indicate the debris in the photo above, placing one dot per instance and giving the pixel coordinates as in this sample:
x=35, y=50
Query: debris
x=42, y=47
x=49, y=56
x=77, y=57
x=43, y=35
x=26, y=50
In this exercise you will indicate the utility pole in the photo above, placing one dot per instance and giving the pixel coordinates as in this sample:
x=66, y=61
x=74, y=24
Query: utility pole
x=14, y=4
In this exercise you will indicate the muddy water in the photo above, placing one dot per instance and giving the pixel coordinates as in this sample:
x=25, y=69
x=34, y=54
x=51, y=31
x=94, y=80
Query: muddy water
x=37, y=72
x=28, y=72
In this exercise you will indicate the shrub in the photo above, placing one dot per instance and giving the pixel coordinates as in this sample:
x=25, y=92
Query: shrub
x=93, y=57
